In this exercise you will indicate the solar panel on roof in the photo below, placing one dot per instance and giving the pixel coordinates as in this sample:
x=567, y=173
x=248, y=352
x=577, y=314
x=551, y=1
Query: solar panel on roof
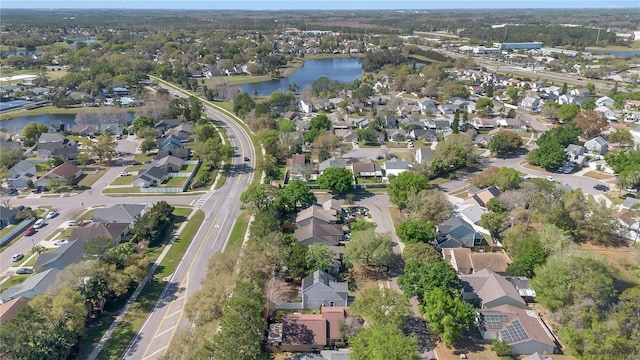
x=514, y=332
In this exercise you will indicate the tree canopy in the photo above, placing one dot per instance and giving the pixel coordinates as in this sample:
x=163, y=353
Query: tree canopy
x=404, y=186
x=336, y=179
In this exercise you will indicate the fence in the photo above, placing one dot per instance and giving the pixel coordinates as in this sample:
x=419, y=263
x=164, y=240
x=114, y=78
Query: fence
x=176, y=189
x=15, y=231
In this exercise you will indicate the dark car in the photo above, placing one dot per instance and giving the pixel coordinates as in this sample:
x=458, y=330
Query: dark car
x=246, y=158
x=24, y=271
x=601, y=187
x=30, y=231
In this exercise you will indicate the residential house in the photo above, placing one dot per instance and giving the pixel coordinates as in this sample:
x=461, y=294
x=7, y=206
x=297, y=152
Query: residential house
x=531, y=103
x=168, y=163
x=21, y=173
x=9, y=309
x=605, y=101
x=632, y=117
x=521, y=329
x=423, y=134
x=169, y=143
x=8, y=215
x=347, y=135
x=597, y=145
x=361, y=123
x=483, y=124
x=332, y=162
x=630, y=202
x=321, y=289
x=114, y=231
x=608, y=113
x=575, y=154
x=439, y=126
x=456, y=232
x=389, y=121
x=152, y=176
x=182, y=132
x=537, y=356
x=424, y=155
x=466, y=262
x=182, y=153
x=64, y=171
x=51, y=138
x=340, y=120
x=119, y=213
x=511, y=124
x=306, y=106
x=291, y=115
x=427, y=106
x=70, y=253
x=113, y=129
x=319, y=231
x=581, y=92
x=396, y=166
x=306, y=356
x=464, y=104
x=84, y=130
x=397, y=135
x=46, y=149
x=37, y=284
x=302, y=124
x=315, y=212
x=298, y=167
x=166, y=124
x=312, y=332
x=488, y=289
x=68, y=151
x=471, y=213
x=482, y=197
x=447, y=109
x=367, y=168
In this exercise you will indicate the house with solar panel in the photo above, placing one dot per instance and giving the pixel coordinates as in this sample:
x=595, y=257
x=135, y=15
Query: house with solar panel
x=521, y=329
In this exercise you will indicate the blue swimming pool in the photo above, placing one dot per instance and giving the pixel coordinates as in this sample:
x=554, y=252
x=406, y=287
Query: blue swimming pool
x=8, y=105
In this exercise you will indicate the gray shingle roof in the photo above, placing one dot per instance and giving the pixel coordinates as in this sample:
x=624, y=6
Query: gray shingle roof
x=119, y=213
x=35, y=285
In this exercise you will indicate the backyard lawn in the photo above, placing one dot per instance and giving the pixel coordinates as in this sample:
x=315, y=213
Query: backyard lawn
x=174, y=182
x=123, y=180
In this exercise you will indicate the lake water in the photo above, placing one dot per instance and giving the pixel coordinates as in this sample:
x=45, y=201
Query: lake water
x=340, y=69
x=15, y=125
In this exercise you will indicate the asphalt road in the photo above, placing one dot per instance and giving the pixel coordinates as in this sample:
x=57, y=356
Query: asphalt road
x=221, y=211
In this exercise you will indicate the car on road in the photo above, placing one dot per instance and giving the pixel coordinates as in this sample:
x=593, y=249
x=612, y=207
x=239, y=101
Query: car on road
x=601, y=187
x=59, y=242
x=17, y=257
x=125, y=173
x=72, y=223
x=24, y=271
x=550, y=178
x=246, y=158
x=52, y=214
x=38, y=224
x=30, y=231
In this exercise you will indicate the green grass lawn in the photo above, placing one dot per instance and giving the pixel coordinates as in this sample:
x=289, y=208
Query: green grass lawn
x=46, y=110
x=221, y=180
x=239, y=230
x=6, y=230
x=90, y=178
x=143, y=305
x=123, y=180
x=133, y=168
x=87, y=215
x=13, y=280
x=367, y=180
x=143, y=158
x=174, y=182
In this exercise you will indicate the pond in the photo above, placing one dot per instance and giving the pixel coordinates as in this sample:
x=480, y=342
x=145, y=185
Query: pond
x=340, y=69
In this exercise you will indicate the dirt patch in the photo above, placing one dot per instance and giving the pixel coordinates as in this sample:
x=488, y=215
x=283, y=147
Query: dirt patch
x=465, y=345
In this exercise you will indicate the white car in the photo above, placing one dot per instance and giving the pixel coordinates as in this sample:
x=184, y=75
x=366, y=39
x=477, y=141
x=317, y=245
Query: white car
x=52, y=214
x=39, y=223
x=72, y=223
x=632, y=190
x=125, y=173
x=550, y=178
x=59, y=242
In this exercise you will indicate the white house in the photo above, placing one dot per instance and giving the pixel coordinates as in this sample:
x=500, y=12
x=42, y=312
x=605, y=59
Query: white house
x=396, y=166
x=597, y=145
x=305, y=106
x=605, y=101
x=608, y=113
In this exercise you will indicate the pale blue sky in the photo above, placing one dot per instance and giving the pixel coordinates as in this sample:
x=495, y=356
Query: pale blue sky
x=315, y=4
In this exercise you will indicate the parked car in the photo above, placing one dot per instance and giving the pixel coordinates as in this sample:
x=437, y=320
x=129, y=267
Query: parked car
x=17, y=257
x=550, y=178
x=632, y=190
x=125, y=173
x=72, y=223
x=52, y=214
x=59, y=242
x=601, y=187
x=24, y=271
x=30, y=231
x=39, y=223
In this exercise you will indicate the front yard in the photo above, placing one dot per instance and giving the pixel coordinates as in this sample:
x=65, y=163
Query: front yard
x=174, y=182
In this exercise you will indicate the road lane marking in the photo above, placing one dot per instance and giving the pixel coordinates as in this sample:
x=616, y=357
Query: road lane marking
x=186, y=280
x=169, y=329
x=175, y=312
x=219, y=232
x=157, y=351
x=204, y=240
